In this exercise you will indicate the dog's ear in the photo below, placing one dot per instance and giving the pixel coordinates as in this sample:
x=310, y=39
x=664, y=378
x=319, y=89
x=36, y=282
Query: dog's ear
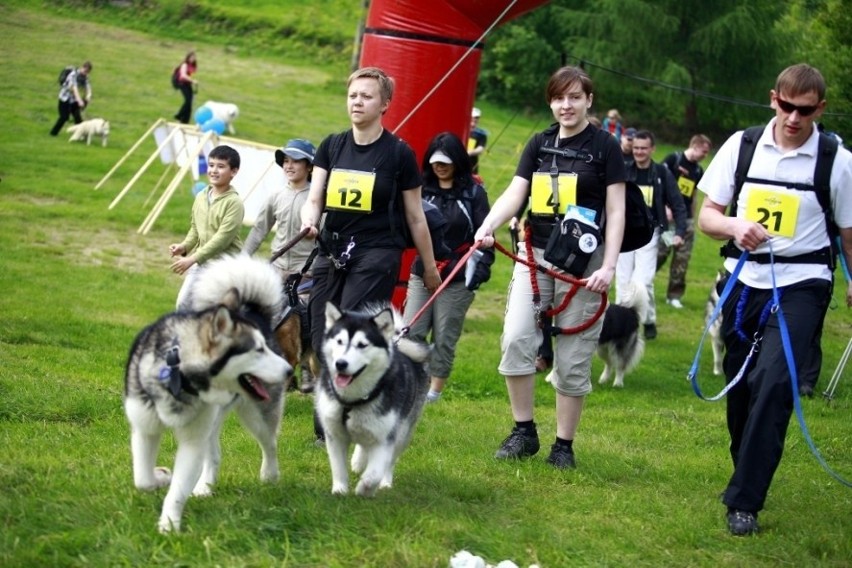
x=222, y=322
x=332, y=314
x=384, y=321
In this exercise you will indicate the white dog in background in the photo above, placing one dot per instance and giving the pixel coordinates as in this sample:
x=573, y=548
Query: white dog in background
x=89, y=128
x=226, y=112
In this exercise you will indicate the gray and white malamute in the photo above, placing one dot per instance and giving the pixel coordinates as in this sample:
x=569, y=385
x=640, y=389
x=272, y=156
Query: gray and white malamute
x=371, y=393
x=620, y=344
x=715, y=332
x=189, y=368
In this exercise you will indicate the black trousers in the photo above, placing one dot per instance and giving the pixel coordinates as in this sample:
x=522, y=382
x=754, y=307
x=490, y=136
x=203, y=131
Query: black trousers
x=185, y=112
x=369, y=277
x=760, y=406
x=66, y=110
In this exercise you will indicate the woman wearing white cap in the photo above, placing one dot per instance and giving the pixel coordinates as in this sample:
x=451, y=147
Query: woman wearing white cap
x=449, y=185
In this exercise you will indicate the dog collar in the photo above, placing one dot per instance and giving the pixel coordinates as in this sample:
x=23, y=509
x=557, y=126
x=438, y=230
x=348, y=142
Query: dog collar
x=171, y=374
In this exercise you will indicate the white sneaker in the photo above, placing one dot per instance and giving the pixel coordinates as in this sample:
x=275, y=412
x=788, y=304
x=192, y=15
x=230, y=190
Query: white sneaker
x=675, y=303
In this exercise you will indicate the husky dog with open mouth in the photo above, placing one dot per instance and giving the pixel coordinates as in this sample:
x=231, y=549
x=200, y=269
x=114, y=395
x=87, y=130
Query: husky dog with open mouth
x=371, y=393
x=189, y=368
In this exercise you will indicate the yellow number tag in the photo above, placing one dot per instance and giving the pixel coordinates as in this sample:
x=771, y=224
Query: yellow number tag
x=350, y=190
x=648, y=194
x=542, y=193
x=686, y=186
x=776, y=210
x=471, y=144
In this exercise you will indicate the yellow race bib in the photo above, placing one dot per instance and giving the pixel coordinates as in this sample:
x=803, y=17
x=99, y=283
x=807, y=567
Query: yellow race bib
x=777, y=211
x=686, y=186
x=471, y=144
x=648, y=194
x=350, y=190
x=541, y=196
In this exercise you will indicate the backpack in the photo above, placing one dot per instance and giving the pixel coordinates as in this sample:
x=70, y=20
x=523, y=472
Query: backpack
x=63, y=75
x=175, y=76
x=638, y=221
x=826, y=152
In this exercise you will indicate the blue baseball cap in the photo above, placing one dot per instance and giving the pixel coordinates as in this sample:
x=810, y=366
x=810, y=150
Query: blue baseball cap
x=296, y=149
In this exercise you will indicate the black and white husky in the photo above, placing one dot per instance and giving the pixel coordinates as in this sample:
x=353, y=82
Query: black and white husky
x=621, y=344
x=189, y=368
x=371, y=394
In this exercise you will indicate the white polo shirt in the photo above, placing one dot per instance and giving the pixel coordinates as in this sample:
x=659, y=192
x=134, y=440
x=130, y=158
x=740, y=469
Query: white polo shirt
x=795, y=218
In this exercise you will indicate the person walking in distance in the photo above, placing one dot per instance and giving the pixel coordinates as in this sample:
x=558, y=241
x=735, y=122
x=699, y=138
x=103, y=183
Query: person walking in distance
x=686, y=168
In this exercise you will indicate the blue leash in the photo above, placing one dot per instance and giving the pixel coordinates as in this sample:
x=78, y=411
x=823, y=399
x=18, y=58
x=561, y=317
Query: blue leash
x=788, y=354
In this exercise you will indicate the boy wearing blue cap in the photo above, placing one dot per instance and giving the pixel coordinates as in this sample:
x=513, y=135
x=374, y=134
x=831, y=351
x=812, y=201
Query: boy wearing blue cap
x=296, y=160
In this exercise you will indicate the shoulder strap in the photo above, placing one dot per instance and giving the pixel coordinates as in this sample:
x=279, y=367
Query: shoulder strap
x=748, y=144
x=334, y=148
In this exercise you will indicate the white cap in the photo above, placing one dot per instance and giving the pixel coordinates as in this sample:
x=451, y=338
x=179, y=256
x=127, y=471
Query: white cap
x=475, y=113
x=438, y=156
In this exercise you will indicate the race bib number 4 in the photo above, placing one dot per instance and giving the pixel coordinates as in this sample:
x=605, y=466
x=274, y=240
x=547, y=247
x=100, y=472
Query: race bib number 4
x=541, y=201
x=777, y=211
x=350, y=190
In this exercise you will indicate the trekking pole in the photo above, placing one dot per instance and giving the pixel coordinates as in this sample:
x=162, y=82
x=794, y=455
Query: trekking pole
x=290, y=244
x=835, y=378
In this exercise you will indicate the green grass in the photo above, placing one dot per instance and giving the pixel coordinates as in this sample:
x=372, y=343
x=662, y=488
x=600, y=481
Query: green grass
x=77, y=283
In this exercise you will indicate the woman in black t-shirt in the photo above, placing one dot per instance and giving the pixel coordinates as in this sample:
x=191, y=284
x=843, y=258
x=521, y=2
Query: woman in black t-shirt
x=367, y=182
x=594, y=191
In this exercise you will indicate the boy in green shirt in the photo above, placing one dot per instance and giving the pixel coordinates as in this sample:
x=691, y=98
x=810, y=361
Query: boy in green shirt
x=217, y=216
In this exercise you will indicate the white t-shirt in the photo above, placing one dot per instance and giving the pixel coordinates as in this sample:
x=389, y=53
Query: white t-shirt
x=795, y=217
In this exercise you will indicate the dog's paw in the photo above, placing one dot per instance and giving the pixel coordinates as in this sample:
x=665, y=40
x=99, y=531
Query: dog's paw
x=366, y=488
x=202, y=489
x=167, y=525
x=162, y=477
x=618, y=383
x=339, y=489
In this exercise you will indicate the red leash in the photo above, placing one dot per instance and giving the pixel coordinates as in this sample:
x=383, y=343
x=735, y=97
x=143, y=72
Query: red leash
x=462, y=262
x=576, y=284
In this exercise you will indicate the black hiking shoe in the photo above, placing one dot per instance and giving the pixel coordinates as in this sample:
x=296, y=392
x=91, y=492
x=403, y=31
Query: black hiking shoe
x=650, y=331
x=561, y=457
x=519, y=444
x=742, y=523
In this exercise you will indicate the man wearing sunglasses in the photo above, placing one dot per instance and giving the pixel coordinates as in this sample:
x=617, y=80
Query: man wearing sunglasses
x=778, y=209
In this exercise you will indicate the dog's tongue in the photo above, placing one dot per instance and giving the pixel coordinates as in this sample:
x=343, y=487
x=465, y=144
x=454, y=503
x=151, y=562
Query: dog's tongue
x=342, y=380
x=257, y=385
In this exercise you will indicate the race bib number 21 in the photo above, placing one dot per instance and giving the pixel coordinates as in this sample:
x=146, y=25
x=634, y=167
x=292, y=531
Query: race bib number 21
x=777, y=211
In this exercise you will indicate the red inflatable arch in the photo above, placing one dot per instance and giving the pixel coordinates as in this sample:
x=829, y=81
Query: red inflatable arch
x=432, y=50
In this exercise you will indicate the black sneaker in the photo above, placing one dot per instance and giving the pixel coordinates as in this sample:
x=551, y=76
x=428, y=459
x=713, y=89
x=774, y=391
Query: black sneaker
x=519, y=444
x=650, y=330
x=742, y=523
x=561, y=457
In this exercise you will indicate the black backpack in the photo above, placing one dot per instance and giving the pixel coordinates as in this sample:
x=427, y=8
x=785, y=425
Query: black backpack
x=826, y=151
x=638, y=221
x=63, y=75
x=175, y=75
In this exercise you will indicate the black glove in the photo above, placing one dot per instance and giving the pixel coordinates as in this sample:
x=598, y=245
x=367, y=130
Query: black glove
x=481, y=275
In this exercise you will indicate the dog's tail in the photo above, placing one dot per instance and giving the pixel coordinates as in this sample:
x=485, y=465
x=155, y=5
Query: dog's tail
x=257, y=284
x=636, y=297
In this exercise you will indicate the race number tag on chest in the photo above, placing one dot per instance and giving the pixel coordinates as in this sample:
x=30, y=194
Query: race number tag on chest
x=686, y=186
x=350, y=190
x=777, y=211
x=541, y=201
x=648, y=194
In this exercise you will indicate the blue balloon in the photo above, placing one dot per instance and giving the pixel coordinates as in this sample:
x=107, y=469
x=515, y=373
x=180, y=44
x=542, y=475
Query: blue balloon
x=203, y=114
x=217, y=125
x=198, y=187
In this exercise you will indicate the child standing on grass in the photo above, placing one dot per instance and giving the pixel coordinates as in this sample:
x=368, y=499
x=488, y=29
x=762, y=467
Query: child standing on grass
x=217, y=216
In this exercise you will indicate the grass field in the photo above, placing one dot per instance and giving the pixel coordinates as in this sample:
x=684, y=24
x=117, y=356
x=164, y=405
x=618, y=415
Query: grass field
x=77, y=283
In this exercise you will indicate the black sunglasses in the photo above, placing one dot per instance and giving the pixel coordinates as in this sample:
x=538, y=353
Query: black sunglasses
x=789, y=107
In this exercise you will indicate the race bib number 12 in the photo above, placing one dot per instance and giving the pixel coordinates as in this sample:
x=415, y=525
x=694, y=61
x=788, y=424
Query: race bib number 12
x=350, y=190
